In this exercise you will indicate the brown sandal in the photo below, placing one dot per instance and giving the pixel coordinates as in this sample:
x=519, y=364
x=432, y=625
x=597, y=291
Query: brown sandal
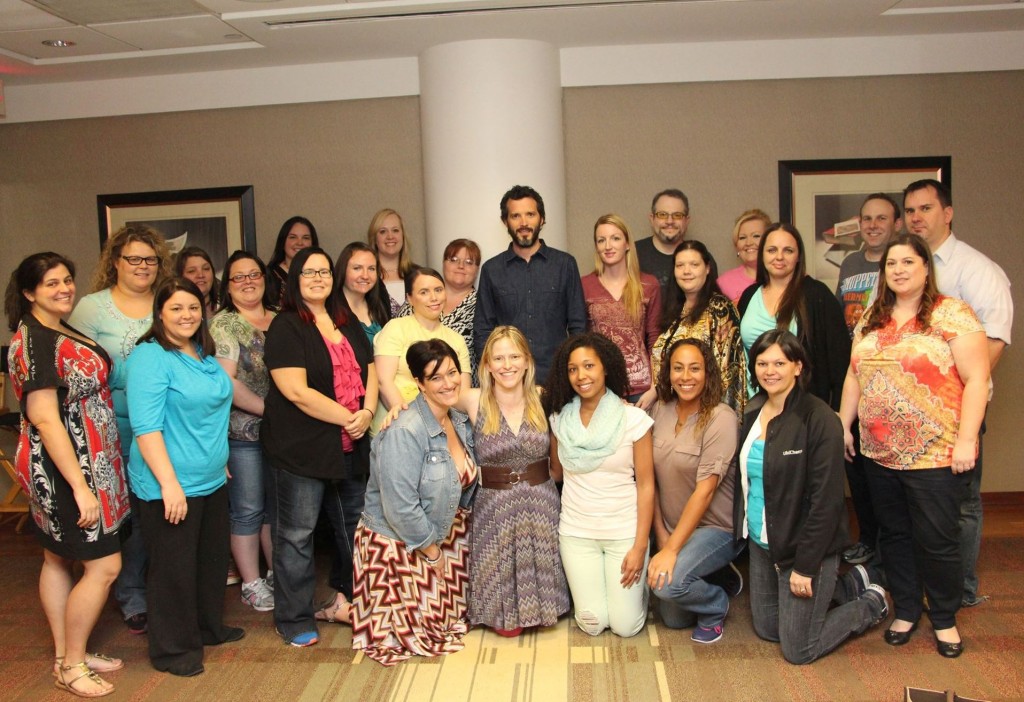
x=330, y=610
x=82, y=671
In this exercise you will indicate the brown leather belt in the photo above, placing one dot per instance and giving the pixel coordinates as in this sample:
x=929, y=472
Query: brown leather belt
x=504, y=478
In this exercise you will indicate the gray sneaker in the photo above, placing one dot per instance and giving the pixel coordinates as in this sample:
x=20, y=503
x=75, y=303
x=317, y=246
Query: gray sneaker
x=270, y=580
x=875, y=594
x=258, y=596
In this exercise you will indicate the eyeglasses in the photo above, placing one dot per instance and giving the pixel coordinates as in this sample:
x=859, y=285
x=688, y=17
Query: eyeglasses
x=137, y=260
x=313, y=272
x=677, y=216
x=455, y=260
x=240, y=278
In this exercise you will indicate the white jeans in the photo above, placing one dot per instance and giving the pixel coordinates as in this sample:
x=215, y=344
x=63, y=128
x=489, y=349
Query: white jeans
x=593, y=568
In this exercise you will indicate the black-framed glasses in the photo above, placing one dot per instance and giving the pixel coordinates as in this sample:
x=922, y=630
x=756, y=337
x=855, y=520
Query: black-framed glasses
x=664, y=216
x=138, y=260
x=240, y=278
x=317, y=272
x=455, y=260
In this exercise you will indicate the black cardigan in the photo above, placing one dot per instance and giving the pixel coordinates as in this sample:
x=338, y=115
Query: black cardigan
x=804, y=502
x=291, y=438
x=826, y=339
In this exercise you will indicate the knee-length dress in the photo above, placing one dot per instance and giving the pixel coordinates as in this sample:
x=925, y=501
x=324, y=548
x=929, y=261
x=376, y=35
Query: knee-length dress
x=515, y=571
x=41, y=358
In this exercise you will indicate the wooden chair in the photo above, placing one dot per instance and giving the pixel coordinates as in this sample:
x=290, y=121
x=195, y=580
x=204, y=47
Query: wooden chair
x=14, y=505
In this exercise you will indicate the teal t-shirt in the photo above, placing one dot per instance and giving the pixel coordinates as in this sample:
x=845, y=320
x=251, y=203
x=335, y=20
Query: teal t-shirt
x=755, y=493
x=189, y=401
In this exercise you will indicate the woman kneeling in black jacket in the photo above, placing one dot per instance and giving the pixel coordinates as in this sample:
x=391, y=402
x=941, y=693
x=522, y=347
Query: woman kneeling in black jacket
x=789, y=501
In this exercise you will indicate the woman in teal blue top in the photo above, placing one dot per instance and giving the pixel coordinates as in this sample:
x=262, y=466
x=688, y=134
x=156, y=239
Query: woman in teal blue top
x=179, y=402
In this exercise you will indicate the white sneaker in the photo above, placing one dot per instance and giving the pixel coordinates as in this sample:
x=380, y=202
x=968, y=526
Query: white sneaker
x=270, y=580
x=258, y=596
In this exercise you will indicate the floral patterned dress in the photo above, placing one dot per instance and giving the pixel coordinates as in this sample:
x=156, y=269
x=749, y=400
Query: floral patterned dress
x=42, y=358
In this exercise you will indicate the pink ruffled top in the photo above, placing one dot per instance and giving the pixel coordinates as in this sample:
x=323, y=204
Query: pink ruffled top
x=348, y=385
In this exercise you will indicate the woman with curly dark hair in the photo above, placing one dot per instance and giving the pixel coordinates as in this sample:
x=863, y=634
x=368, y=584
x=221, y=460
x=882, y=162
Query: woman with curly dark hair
x=695, y=438
x=926, y=352
x=697, y=309
x=603, y=448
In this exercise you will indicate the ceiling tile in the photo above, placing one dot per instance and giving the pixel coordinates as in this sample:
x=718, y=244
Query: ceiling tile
x=174, y=33
x=87, y=42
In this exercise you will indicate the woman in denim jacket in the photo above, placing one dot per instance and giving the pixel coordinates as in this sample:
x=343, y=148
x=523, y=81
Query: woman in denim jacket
x=411, y=546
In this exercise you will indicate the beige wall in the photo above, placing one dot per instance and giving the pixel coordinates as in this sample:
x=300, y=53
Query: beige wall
x=720, y=142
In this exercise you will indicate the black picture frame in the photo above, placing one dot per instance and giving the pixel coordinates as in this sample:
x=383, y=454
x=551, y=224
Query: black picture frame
x=832, y=190
x=219, y=220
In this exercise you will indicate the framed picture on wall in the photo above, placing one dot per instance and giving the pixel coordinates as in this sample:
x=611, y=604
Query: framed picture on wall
x=821, y=197
x=218, y=220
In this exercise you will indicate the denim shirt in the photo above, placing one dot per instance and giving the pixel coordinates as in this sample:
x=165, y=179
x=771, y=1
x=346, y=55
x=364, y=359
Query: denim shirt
x=414, y=489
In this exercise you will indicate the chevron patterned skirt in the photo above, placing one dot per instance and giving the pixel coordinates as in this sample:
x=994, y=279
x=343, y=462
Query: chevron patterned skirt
x=400, y=606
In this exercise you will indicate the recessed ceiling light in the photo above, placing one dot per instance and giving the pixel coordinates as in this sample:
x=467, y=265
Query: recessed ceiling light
x=58, y=43
x=233, y=36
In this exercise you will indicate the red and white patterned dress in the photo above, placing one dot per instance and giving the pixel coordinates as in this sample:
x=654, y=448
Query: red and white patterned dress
x=42, y=358
x=401, y=607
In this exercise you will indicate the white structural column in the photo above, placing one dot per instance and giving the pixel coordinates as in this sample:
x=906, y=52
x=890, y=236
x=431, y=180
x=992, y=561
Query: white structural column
x=491, y=118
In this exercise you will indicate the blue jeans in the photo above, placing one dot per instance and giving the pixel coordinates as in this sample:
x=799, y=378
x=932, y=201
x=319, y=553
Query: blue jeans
x=805, y=626
x=130, y=586
x=296, y=505
x=970, y=528
x=689, y=595
x=247, y=489
x=593, y=569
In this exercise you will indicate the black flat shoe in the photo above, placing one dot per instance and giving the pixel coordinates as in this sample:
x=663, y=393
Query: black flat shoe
x=949, y=650
x=898, y=638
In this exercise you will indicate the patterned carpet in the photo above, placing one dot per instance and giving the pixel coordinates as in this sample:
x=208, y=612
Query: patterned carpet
x=551, y=665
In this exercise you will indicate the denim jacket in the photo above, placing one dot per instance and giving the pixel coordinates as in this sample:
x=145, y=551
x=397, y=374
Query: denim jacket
x=414, y=487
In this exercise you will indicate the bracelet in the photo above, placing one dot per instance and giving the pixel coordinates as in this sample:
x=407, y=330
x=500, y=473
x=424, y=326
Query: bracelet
x=435, y=561
x=372, y=412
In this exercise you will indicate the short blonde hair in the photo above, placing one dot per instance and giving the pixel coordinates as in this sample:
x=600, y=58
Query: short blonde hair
x=749, y=216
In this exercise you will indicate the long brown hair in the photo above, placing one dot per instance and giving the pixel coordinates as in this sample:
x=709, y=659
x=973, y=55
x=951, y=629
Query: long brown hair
x=792, y=302
x=879, y=314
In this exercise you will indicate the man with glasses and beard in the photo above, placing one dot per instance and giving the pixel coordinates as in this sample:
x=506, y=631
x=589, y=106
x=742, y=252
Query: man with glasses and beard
x=669, y=217
x=530, y=286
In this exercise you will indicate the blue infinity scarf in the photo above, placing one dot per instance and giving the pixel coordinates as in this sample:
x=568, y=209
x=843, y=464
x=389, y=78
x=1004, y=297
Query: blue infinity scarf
x=582, y=448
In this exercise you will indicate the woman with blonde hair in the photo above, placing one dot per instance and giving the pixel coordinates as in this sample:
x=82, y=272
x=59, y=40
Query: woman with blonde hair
x=386, y=236
x=120, y=309
x=515, y=572
x=746, y=238
x=623, y=303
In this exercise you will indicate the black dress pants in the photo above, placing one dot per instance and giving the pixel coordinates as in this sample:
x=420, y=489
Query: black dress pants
x=185, y=585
